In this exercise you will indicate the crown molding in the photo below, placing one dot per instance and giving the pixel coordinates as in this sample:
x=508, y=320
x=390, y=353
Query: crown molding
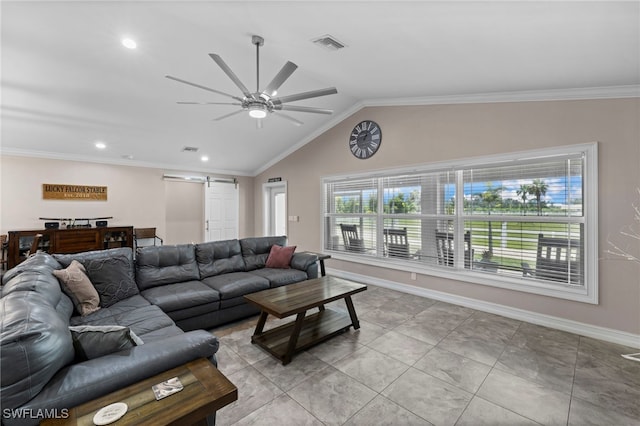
x=585, y=93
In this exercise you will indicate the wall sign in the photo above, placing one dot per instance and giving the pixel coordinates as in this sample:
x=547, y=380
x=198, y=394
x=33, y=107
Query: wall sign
x=51, y=191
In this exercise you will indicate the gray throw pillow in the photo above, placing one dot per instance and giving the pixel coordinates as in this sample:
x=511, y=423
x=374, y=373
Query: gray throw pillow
x=78, y=287
x=94, y=341
x=112, y=277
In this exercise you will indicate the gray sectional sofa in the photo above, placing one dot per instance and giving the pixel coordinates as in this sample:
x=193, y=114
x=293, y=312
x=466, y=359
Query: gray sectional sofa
x=167, y=295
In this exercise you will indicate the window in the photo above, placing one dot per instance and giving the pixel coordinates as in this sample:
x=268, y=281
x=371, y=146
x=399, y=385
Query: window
x=525, y=221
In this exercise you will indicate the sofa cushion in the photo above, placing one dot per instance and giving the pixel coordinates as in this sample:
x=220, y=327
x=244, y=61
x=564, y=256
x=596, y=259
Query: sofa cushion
x=110, y=271
x=279, y=277
x=159, y=265
x=256, y=250
x=234, y=301
x=194, y=311
x=236, y=284
x=219, y=257
x=136, y=313
x=162, y=333
x=280, y=257
x=91, y=341
x=173, y=297
x=78, y=287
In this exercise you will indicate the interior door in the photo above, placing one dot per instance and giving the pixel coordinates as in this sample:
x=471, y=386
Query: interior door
x=221, y=211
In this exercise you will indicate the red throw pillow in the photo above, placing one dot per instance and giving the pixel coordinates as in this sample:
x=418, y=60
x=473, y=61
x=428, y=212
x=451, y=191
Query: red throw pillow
x=280, y=257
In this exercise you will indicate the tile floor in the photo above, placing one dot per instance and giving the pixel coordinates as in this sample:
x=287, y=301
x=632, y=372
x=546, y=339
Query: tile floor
x=416, y=361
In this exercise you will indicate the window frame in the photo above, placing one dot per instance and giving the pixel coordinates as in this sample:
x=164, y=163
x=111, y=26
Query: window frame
x=587, y=293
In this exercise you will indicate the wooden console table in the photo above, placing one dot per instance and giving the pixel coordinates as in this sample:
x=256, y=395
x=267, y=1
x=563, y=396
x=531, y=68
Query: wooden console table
x=206, y=390
x=70, y=240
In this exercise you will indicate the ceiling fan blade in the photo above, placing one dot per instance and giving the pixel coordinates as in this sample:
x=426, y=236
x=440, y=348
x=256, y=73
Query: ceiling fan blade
x=280, y=78
x=208, y=103
x=202, y=87
x=306, y=95
x=222, y=64
x=290, y=118
x=228, y=115
x=303, y=109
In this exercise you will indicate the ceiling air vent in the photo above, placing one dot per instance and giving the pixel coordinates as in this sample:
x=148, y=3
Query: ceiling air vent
x=190, y=149
x=328, y=42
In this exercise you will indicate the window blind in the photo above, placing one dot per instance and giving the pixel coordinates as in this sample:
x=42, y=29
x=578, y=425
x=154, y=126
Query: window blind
x=519, y=219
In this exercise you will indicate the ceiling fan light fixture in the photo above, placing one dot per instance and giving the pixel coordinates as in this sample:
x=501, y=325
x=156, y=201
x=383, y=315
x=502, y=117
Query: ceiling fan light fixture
x=257, y=111
x=129, y=43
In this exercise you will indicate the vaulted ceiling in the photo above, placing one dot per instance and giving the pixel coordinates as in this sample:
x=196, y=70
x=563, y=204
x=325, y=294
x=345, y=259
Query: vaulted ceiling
x=68, y=82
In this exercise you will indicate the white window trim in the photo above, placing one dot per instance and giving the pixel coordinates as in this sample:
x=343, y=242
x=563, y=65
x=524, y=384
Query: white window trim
x=267, y=208
x=587, y=293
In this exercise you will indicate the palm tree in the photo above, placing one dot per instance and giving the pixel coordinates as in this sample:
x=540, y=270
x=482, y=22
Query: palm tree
x=489, y=198
x=539, y=189
x=523, y=192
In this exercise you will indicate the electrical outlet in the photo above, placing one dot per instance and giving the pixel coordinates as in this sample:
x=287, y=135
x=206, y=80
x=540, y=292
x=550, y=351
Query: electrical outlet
x=413, y=276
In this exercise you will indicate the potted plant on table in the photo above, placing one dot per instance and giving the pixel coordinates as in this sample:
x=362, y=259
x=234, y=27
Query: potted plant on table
x=486, y=264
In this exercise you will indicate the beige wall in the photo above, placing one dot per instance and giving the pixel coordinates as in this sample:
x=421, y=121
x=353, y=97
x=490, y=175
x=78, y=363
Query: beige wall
x=425, y=134
x=137, y=196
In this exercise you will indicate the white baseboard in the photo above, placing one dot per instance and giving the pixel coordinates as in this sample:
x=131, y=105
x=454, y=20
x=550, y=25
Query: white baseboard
x=594, y=331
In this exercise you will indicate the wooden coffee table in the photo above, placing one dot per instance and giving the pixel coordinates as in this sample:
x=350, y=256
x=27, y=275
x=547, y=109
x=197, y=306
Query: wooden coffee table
x=296, y=299
x=206, y=390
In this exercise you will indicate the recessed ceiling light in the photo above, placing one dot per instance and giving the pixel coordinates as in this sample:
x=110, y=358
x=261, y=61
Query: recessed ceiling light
x=101, y=145
x=129, y=43
x=204, y=158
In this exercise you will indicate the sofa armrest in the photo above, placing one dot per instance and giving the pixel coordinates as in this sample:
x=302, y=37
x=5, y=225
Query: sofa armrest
x=85, y=381
x=305, y=262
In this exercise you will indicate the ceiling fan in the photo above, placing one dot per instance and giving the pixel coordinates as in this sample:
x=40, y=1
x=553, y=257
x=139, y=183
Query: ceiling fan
x=261, y=103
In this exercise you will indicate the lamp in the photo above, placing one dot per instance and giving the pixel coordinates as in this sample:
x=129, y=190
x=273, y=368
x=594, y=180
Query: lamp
x=258, y=111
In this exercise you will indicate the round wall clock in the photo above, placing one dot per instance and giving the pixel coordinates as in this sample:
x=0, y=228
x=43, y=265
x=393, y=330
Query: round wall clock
x=365, y=139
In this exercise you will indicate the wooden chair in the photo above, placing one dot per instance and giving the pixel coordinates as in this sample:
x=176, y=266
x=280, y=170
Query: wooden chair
x=557, y=259
x=445, y=245
x=396, y=242
x=352, y=242
x=145, y=234
x=35, y=244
